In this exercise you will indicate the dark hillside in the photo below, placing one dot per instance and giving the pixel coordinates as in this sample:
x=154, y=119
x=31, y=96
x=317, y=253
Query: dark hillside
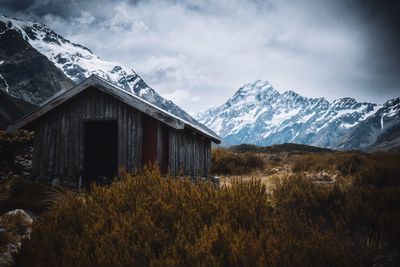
x=280, y=148
x=27, y=74
x=11, y=109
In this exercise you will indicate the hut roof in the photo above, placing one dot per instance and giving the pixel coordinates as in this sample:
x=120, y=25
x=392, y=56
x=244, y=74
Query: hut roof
x=122, y=95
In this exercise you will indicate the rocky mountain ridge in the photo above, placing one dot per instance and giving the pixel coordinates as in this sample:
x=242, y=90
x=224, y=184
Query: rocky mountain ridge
x=69, y=62
x=259, y=114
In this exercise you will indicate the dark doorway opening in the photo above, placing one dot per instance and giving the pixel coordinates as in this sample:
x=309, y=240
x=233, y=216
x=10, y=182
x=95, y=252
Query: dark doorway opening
x=149, y=145
x=101, y=151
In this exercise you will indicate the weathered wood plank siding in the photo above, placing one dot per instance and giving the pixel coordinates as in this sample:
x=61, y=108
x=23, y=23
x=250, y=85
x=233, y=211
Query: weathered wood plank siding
x=60, y=134
x=189, y=153
x=59, y=141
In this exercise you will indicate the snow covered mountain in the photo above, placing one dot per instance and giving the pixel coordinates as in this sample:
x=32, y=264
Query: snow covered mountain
x=259, y=114
x=380, y=131
x=36, y=62
x=75, y=62
x=25, y=73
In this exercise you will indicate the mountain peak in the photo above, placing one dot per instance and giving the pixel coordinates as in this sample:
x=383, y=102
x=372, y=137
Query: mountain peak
x=290, y=94
x=393, y=101
x=78, y=62
x=256, y=86
x=253, y=92
x=37, y=32
x=344, y=100
x=259, y=83
x=258, y=114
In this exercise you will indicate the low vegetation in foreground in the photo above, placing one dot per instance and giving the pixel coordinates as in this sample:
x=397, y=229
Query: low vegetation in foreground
x=285, y=207
x=349, y=217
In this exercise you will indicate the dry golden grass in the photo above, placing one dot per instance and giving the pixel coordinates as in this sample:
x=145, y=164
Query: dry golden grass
x=284, y=213
x=269, y=180
x=149, y=220
x=318, y=167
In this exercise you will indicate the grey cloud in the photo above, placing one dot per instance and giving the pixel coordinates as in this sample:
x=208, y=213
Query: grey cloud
x=17, y=5
x=211, y=47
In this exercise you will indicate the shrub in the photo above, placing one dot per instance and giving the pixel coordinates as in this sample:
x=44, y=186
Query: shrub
x=150, y=220
x=349, y=163
x=358, y=224
x=21, y=193
x=230, y=163
x=5, y=239
x=346, y=163
x=374, y=197
x=146, y=219
x=12, y=145
x=19, y=136
x=315, y=201
x=310, y=162
x=379, y=171
x=16, y=223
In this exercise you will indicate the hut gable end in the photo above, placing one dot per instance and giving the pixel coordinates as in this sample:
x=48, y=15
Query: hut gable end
x=87, y=133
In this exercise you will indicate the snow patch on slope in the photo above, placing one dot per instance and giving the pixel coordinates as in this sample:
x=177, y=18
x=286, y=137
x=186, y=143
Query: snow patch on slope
x=78, y=62
x=259, y=114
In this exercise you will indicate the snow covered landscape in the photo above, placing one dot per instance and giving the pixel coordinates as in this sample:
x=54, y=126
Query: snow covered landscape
x=255, y=114
x=259, y=114
x=78, y=62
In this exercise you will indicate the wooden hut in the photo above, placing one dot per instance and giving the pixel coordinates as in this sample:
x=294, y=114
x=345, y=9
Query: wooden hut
x=88, y=132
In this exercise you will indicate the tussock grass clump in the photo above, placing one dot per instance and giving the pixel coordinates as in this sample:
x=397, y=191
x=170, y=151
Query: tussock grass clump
x=22, y=193
x=227, y=162
x=149, y=220
x=346, y=163
x=299, y=194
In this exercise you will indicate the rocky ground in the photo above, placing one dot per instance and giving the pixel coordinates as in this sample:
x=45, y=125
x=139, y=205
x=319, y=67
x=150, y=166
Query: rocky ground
x=15, y=154
x=15, y=163
x=14, y=226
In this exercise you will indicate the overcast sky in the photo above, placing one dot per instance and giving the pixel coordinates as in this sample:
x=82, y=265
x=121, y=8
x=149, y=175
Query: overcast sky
x=198, y=53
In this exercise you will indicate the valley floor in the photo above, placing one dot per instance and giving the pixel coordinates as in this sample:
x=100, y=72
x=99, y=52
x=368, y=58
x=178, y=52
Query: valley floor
x=271, y=209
